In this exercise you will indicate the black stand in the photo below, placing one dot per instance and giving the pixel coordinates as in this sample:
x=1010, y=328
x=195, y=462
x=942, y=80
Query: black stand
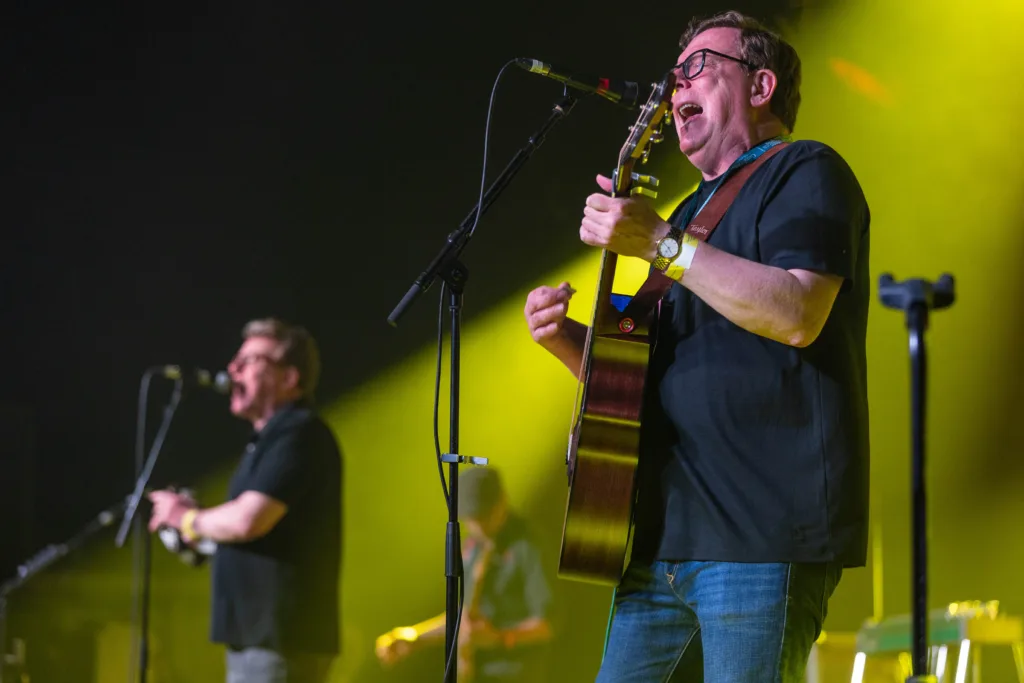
x=916, y=298
x=36, y=564
x=454, y=274
x=143, y=539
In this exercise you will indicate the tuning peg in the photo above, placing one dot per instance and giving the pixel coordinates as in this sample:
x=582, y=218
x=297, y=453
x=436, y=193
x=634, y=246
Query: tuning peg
x=645, y=179
x=643, y=191
x=656, y=137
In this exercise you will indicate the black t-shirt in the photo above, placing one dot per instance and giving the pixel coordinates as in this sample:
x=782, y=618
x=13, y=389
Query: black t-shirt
x=280, y=591
x=514, y=589
x=753, y=450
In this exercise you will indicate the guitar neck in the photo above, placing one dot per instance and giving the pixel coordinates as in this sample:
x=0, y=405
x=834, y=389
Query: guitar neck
x=604, y=319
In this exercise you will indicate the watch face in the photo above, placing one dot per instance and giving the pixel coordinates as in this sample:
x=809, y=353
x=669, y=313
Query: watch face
x=668, y=247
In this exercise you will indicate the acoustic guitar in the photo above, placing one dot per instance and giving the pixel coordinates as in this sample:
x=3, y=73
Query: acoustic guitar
x=604, y=443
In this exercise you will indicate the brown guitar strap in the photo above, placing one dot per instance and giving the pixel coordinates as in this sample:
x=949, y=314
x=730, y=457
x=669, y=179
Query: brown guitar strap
x=701, y=227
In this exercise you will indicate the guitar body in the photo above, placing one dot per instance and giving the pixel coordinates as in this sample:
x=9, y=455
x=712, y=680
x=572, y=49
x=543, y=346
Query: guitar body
x=604, y=446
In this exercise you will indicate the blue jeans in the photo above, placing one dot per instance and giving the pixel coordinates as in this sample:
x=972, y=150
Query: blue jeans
x=717, y=622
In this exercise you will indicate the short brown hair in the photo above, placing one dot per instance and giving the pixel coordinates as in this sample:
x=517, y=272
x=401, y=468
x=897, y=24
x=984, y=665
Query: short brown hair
x=298, y=349
x=765, y=50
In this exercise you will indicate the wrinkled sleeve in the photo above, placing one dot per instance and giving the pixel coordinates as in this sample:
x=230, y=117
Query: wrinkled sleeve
x=815, y=219
x=285, y=470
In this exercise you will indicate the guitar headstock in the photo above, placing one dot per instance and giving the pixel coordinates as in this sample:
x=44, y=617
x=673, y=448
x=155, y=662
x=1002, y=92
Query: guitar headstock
x=645, y=132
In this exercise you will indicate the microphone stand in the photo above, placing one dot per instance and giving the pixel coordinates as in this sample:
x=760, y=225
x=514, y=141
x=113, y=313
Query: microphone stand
x=36, y=564
x=916, y=298
x=453, y=273
x=142, y=539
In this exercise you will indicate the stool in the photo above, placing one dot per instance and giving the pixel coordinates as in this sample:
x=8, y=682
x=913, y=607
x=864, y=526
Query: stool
x=961, y=629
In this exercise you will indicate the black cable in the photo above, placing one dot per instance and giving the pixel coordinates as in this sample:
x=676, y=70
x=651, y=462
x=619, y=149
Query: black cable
x=437, y=395
x=487, y=136
x=440, y=338
x=138, y=539
x=440, y=468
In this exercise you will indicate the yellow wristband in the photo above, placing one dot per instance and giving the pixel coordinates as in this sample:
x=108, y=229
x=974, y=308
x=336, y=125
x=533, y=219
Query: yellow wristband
x=188, y=519
x=687, y=250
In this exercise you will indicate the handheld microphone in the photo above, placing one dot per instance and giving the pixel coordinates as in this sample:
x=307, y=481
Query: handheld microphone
x=619, y=92
x=221, y=382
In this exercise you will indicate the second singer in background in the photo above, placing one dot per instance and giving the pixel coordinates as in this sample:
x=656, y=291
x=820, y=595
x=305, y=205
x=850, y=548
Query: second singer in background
x=276, y=570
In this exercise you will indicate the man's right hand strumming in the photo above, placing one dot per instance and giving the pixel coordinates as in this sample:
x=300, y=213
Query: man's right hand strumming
x=546, y=309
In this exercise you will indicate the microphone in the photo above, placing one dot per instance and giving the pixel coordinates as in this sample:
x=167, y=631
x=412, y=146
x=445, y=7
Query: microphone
x=221, y=382
x=619, y=92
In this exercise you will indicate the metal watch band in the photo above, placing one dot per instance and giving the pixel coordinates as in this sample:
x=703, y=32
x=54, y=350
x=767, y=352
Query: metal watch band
x=660, y=262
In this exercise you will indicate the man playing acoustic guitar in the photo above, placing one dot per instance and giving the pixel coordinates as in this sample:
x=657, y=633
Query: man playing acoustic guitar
x=753, y=458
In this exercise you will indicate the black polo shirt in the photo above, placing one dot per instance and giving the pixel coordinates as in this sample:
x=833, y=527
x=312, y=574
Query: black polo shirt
x=281, y=591
x=753, y=450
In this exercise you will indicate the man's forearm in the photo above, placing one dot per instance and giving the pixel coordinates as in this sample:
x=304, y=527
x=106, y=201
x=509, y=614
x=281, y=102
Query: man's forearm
x=768, y=301
x=433, y=629
x=527, y=632
x=568, y=346
x=225, y=523
x=532, y=630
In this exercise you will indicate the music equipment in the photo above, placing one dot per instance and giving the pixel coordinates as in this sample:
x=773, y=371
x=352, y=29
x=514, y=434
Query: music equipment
x=193, y=554
x=619, y=92
x=604, y=443
x=956, y=634
x=221, y=382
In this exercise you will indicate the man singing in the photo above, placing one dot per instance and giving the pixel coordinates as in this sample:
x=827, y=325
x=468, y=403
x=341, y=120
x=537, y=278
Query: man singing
x=753, y=472
x=277, y=564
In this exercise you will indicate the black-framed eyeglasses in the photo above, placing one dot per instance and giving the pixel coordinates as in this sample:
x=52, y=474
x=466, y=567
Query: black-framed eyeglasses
x=240, y=362
x=694, y=63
